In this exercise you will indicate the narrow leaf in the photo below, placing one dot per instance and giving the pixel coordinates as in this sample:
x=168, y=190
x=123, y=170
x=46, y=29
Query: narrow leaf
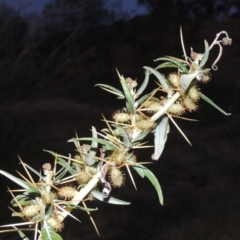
x=49, y=234
x=18, y=181
x=88, y=158
x=21, y=234
x=205, y=98
x=186, y=80
x=145, y=172
x=113, y=89
x=163, y=81
x=107, y=145
x=143, y=98
x=141, y=136
x=160, y=136
x=206, y=54
x=166, y=65
x=33, y=170
x=126, y=139
x=111, y=200
x=127, y=93
x=20, y=200
x=144, y=84
x=180, y=65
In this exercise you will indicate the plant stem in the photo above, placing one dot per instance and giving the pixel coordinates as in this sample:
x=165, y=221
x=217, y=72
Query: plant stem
x=81, y=195
x=158, y=114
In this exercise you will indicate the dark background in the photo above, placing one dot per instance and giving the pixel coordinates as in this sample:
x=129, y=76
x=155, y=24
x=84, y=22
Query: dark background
x=48, y=68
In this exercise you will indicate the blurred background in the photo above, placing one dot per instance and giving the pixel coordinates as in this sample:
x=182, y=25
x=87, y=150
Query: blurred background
x=53, y=52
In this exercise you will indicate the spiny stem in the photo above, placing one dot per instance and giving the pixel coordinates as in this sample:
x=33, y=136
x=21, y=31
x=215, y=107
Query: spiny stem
x=81, y=194
x=158, y=114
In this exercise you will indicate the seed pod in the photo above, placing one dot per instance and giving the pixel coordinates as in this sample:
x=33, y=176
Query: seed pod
x=145, y=124
x=154, y=106
x=121, y=117
x=117, y=178
x=67, y=192
x=83, y=177
x=119, y=156
x=147, y=103
x=174, y=80
x=194, y=93
x=138, y=117
x=132, y=158
x=47, y=197
x=77, y=157
x=176, y=109
x=91, y=170
x=55, y=222
x=189, y=104
x=30, y=211
x=226, y=41
x=206, y=78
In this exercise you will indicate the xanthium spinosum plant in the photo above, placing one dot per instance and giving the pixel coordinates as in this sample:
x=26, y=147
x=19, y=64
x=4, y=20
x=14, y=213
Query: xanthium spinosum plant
x=73, y=181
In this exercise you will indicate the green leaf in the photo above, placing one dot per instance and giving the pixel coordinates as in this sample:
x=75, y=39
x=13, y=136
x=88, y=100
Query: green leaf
x=17, y=180
x=61, y=173
x=186, y=80
x=112, y=90
x=20, y=200
x=62, y=162
x=208, y=100
x=21, y=234
x=178, y=64
x=33, y=170
x=166, y=65
x=145, y=172
x=143, y=98
x=67, y=167
x=128, y=95
x=206, y=54
x=141, y=136
x=163, y=81
x=79, y=207
x=52, y=153
x=106, y=144
x=32, y=190
x=49, y=233
x=144, y=84
x=110, y=199
x=126, y=139
x=160, y=137
x=93, y=150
